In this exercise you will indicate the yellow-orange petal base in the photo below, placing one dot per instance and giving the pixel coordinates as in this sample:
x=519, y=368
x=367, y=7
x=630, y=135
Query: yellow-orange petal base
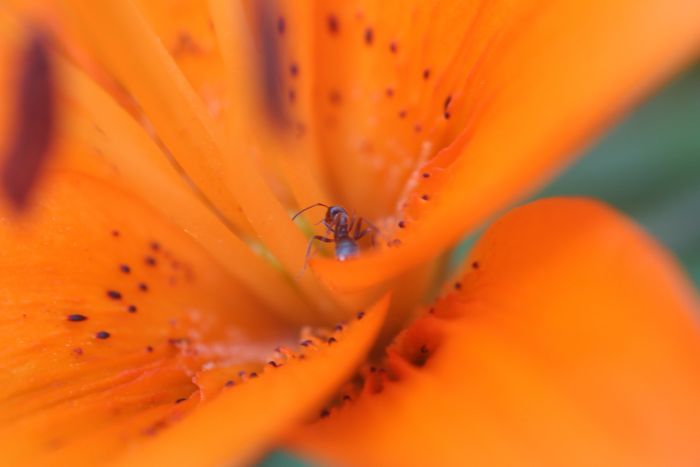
x=570, y=339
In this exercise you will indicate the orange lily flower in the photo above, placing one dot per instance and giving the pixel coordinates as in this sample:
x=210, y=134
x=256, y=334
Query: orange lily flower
x=154, y=309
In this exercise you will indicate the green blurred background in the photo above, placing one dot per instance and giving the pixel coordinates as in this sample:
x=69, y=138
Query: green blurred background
x=648, y=166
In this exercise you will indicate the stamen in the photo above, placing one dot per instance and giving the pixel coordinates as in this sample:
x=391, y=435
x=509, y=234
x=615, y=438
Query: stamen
x=31, y=140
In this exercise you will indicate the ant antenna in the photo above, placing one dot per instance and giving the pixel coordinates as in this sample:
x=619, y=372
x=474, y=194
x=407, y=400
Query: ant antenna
x=309, y=207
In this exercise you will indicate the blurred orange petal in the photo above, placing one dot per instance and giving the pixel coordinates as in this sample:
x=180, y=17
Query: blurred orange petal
x=514, y=89
x=571, y=339
x=108, y=311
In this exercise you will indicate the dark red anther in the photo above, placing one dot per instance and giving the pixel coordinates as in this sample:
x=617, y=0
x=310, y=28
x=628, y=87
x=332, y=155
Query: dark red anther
x=34, y=119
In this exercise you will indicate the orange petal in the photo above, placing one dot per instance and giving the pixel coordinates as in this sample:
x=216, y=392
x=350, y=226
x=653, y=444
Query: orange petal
x=571, y=339
x=107, y=312
x=526, y=83
x=235, y=427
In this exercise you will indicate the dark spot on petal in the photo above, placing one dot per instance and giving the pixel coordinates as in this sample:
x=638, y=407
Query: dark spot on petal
x=445, y=107
x=339, y=327
x=417, y=128
x=150, y=260
x=181, y=400
x=423, y=349
x=115, y=233
x=333, y=25
x=431, y=311
x=155, y=246
x=281, y=25
x=402, y=114
x=425, y=175
x=306, y=343
x=325, y=413
x=114, y=294
x=149, y=348
x=373, y=369
x=34, y=119
x=393, y=47
x=76, y=317
x=273, y=364
x=269, y=63
x=132, y=309
x=402, y=224
x=369, y=36
x=294, y=70
x=426, y=73
x=332, y=340
x=102, y=335
x=389, y=92
x=143, y=287
x=458, y=286
x=346, y=398
x=425, y=197
x=253, y=374
x=292, y=95
x=475, y=265
x=124, y=268
x=229, y=383
x=360, y=315
x=78, y=351
x=334, y=97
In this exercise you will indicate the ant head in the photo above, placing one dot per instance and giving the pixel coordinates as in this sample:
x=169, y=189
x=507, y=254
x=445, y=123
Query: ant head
x=333, y=211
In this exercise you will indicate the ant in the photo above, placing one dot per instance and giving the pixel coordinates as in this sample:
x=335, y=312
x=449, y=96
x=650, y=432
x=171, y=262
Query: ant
x=346, y=230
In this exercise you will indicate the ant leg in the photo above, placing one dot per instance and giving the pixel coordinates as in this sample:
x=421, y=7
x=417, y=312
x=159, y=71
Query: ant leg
x=308, y=248
x=360, y=232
